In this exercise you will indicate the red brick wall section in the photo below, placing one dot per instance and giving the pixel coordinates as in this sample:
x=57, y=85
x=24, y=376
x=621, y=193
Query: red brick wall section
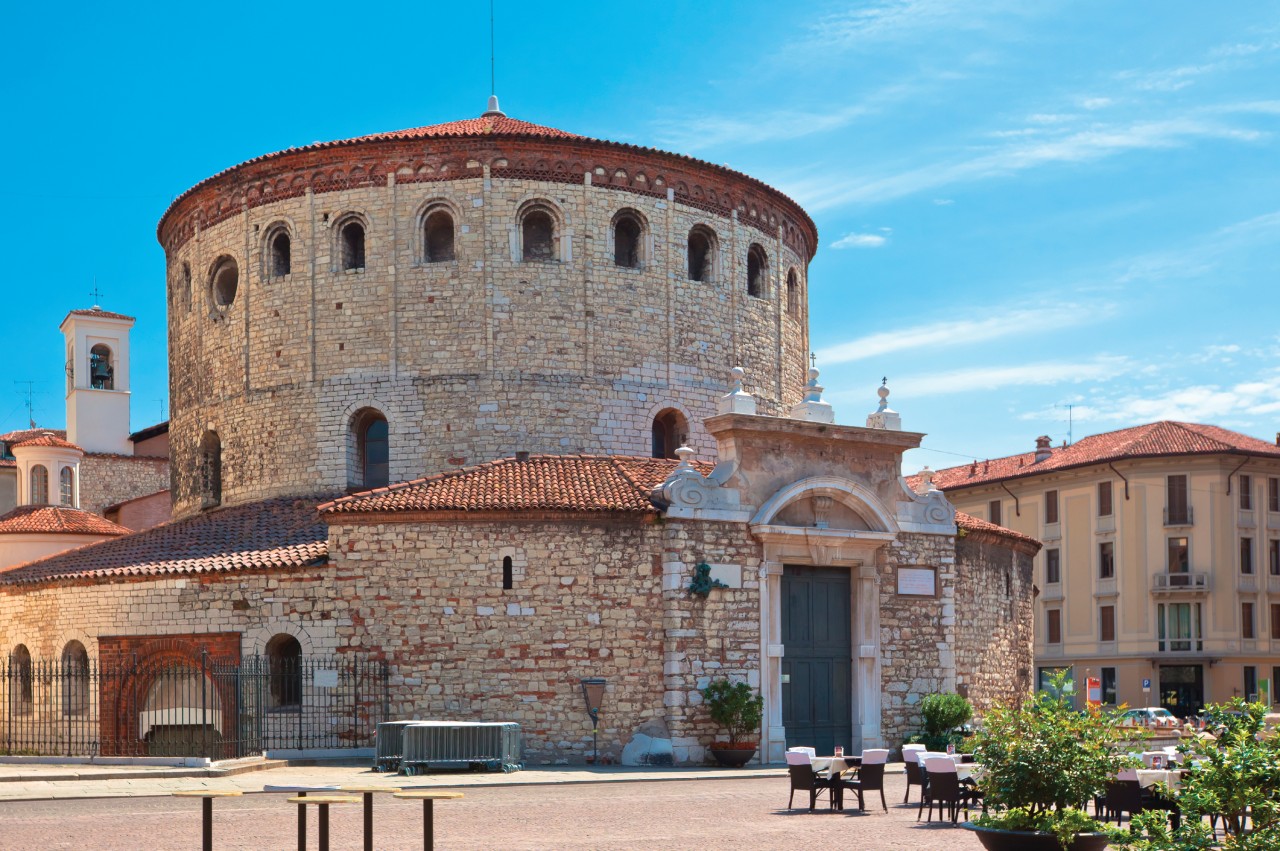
x=143, y=513
x=138, y=659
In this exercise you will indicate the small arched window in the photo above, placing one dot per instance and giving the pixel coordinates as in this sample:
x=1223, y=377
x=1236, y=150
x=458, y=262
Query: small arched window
x=210, y=470
x=67, y=486
x=437, y=237
x=669, y=433
x=351, y=243
x=757, y=271
x=371, y=461
x=793, y=292
x=538, y=232
x=627, y=233
x=39, y=485
x=21, y=698
x=281, y=254
x=75, y=679
x=101, y=369
x=284, y=670
x=701, y=254
x=186, y=286
x=224, y=282
x=508, y=574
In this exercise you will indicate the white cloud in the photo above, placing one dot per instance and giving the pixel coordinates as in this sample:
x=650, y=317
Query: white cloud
x=996, y=377
x=1206, y=403
x=1096, y=103
x=993, y=326
x=872, y=25
x=943, y=202
x=860, y=240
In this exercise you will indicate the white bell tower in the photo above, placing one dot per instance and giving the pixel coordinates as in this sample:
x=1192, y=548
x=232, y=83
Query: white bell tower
x=98, y=380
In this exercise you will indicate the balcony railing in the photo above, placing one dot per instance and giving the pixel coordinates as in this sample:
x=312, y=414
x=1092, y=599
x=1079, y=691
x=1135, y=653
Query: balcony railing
x=1175, y=582
x=1179, y=516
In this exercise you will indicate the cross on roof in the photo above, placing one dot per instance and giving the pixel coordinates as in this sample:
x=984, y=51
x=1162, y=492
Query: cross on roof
x=97, y=295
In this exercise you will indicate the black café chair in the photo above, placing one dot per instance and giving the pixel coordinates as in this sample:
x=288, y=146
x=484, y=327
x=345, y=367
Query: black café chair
x=1121, y=797
x=870, y=778
x=805, y=779
x=915, y=774
x=944, y=787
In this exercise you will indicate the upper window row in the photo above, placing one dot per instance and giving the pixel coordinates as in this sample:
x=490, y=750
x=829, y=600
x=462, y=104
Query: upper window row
x=537, y=239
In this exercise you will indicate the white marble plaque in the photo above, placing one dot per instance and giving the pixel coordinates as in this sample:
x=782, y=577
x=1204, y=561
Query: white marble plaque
x=917, y=581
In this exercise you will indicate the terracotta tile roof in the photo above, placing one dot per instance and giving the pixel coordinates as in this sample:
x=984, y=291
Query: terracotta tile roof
x=57, y=519
x=973, y=524
x=13, y=438
x=485, y=125
x=48, y=439
x=284, y=532
x=574, y=483
x=99, y=313
x=1152, y=440
x=8, y=462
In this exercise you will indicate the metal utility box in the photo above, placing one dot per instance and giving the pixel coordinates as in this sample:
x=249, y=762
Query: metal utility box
x=471, y=745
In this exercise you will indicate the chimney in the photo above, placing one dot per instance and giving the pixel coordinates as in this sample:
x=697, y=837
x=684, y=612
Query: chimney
x=522, y=456
x=1043, y=450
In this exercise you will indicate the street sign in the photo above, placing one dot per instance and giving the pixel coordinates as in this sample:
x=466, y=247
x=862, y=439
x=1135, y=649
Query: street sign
x=1146, y=684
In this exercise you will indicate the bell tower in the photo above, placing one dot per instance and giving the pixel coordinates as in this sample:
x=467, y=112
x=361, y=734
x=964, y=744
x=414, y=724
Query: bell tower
x=97, y=349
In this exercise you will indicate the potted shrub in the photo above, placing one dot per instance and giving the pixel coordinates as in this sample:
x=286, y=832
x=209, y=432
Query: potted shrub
x=739, y=710
x=943, y=713
x=1042, y=762
x=1237, y=773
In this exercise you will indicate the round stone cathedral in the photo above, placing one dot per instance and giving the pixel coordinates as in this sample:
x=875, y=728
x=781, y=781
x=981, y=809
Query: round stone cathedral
x=354, y=313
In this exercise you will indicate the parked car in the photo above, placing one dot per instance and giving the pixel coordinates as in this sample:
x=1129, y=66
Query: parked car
x=1150, y=716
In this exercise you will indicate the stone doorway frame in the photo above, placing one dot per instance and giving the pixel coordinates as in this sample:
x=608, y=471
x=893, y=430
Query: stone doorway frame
x=856, y=549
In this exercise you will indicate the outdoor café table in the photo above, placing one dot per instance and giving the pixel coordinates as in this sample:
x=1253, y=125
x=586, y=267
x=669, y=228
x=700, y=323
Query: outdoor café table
x=368, y=792
x=835, y=766
x=1152, y=776
x=323, y=802
x=428, y=797
x=301, y=792
x=207, y=806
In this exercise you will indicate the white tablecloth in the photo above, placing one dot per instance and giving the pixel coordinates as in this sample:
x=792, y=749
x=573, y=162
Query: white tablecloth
x=1151, y=776
x=837, y=765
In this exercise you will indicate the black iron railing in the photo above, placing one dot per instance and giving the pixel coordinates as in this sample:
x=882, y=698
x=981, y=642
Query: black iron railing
x=210, y=708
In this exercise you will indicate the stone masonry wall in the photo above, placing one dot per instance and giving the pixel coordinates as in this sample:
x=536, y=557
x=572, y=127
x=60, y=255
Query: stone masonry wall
x=471, y=359
x=993, y=640
x=917, y=634
x=109, y=479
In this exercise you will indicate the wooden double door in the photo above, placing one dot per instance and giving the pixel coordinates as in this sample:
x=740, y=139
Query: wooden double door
x=817, y=665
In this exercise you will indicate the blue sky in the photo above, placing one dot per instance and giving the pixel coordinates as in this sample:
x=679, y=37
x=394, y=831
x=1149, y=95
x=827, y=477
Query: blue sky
x=1022, y=206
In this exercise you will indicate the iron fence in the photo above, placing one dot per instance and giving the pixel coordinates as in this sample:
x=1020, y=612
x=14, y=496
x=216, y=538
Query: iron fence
x=170, y=707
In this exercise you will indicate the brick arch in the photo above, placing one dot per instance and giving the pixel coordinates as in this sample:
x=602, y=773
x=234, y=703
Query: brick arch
x=138, y=661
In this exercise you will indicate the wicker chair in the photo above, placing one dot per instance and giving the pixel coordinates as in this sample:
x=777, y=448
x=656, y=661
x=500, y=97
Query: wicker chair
x=805, y=779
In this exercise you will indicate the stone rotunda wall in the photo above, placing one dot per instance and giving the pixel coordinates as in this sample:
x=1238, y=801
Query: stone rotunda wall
x=484, y=355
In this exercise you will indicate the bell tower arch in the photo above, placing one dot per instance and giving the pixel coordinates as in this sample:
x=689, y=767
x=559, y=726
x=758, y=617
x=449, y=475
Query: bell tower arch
x=97, y=349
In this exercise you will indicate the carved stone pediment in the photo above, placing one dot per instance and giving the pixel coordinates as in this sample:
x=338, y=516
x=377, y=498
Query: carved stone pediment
x=687, y=494
x=927, y=512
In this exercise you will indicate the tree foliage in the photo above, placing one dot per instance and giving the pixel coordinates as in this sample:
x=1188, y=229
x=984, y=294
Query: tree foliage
x=735, y=707
x=944, y=712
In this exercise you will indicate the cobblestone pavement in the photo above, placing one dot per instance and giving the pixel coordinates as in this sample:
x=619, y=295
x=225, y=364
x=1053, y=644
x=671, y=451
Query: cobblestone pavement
x=738, y=814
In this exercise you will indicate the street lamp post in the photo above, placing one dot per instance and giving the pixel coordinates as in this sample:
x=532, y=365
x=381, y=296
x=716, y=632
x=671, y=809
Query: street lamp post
x=593, y=694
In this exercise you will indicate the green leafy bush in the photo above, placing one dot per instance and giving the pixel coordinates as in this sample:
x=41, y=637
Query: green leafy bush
x=944, y=712
x=1238, y=774
x=1044, y=760
x=736, y=708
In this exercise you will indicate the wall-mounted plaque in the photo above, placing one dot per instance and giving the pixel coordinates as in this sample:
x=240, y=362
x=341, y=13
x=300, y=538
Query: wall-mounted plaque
x=918, y=581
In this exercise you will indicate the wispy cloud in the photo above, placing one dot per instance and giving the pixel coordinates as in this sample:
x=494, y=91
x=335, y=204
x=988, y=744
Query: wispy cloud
x=1073, y=147
x=1022, y=375
x=992, y=326
x=863, y=240
x=894, y=21
x=1199, y=255
x=1208, y=403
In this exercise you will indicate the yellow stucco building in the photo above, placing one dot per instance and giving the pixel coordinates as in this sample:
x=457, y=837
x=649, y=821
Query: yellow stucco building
x=1160, y=573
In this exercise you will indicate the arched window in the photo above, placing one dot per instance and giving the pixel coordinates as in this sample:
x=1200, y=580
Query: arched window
x=224, y=282
x=39, y=485
x=627, y=233
x=281, y=254
x=186, y=286
x=508, y=575
x=370, y=467
x=351, y=243
x=757, y=271
x=284, y=667
x=67, y=486
x=437, y=237
x=210, y=470
x=793, y=292
x=101, y=370
x=538, y=233
x=75, y=679
x=21, y=698
x=669, y=433
x=701, y=254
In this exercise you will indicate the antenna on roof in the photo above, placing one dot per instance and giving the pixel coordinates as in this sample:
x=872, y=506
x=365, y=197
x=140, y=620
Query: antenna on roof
x=1070, y=421
x=31, y=410
x=493, y=109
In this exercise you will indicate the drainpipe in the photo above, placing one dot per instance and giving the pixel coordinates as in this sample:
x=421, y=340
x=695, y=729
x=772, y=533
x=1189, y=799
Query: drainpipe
x=1017, y=508
x=1122, y=478
x=1246, y=460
